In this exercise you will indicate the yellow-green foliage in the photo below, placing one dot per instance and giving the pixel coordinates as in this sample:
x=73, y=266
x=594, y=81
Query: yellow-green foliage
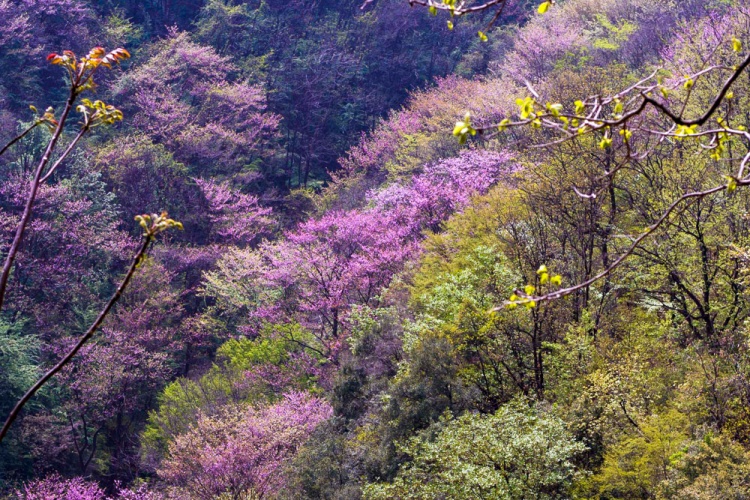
x=709, y=467
x=634, y=466
x=242, y=354
x=464, y=274
x=664, y=460
x=614, y=35
x=454, y=249
x=179, y=404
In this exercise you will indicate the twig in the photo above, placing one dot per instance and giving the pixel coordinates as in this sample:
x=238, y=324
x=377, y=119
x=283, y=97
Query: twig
x=35, y=183
x=147, y=239
x=67, y=151
x=19, y=137
x=651, y=229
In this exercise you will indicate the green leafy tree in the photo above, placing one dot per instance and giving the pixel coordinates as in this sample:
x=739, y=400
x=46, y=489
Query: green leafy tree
x=517, y=452
x=18, y=370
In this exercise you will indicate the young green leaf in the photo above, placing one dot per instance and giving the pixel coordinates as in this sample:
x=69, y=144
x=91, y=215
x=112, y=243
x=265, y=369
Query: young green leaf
x=736, y=44
x=618, y=107
x=555, y=109
x=731, y=183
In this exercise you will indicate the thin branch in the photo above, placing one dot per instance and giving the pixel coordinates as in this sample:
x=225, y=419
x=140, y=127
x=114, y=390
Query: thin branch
x=35, y=183
x=714, y=106
x=497, y=16
x=147, y=239
x=636, y=243
x=594, y=122
x=460, y=10
x=65, y=154
x=19, y=137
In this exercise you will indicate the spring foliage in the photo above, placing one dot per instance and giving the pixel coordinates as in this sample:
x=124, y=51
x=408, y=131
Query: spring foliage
x=427, y=253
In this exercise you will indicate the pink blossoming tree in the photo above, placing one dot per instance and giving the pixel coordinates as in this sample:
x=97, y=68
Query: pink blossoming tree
x=242, y=450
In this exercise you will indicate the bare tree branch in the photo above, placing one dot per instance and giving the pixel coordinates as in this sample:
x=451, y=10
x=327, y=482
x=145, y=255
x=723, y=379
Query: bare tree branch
x=147, y=239
x=20, y=136
x=691, y=197
x=152, y=225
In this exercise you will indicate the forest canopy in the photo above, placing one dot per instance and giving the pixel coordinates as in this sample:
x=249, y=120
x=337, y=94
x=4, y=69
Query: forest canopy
x=370, y=250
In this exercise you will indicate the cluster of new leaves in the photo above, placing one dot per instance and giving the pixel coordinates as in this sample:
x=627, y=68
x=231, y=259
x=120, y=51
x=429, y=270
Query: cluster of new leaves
x=525, y=297
x=156, y=223
x=81, y=71
x=98, y=112
x=47, y=118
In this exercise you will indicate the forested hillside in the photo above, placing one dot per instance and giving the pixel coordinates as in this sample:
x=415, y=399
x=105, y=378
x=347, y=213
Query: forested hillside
x=446, y=250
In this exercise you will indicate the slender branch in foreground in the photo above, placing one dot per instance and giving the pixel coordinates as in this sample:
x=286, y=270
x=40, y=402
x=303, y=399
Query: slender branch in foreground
x=460, y=9
x=92, y=329
x=589, y=116
x=694, y=196
x=455, y=9
x=31, y=198
x=597, y=114
x=153, y=225
x=65, y=154
x=48, y=118
x=19, y=137
x=81, y=73
x=714, y=106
